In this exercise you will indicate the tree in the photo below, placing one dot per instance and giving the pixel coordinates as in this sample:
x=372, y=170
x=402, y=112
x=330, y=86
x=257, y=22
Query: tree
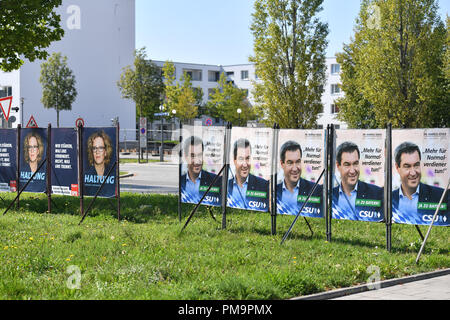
x=27, y=28
x=58, y=84
x=396, y=70
x=226, y=100
x=179, y=96
x=289, y=56
x=143, y=84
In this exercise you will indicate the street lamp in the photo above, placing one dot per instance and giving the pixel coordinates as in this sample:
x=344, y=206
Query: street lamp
x=239, y=115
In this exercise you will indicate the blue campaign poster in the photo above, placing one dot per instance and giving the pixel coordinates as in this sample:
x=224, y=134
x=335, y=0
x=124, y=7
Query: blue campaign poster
x=250, y=168
x=32, y=155
x=358, y=192
x=300, y=164
x=202, y=159
x=99, y=155
x=8, y=163
x=420, y=176
x=64, y=161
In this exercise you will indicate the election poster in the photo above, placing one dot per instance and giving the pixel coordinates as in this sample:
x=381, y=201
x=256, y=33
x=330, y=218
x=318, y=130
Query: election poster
x=202, y=159
x=250, y=168
x=99, y=156
x=8, y=163
x=420, y=175
x=33, y=154
x=358, y=188
x=64, y=161
x=300, y=158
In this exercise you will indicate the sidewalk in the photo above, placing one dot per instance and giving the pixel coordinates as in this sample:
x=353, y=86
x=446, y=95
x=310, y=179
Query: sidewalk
x=426, y=286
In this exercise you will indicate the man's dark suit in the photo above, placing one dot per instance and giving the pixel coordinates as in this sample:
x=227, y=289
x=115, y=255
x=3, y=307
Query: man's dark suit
x=367, y=210
x=423, y=216
x=311, y=209
x=253, y=199
x=213, y=198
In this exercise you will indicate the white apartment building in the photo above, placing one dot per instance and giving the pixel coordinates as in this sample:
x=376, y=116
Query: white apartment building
x=243, y=75
x=99, y=41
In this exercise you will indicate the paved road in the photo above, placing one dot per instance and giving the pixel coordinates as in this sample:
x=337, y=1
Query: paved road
x=437, y=288
x=150, y=178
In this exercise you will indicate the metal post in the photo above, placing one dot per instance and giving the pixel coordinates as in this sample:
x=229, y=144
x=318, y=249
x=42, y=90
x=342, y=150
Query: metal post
x=226, y=164
x=19, y=129
x=273, y=180
x=49, y=168
x=80, y=168
x=161, y=153
x=388, y=188
x=180, y=155
x=117, y=168
x=432, y=222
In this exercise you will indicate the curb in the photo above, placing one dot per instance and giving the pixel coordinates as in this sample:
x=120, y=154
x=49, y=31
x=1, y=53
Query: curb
x=363, y=288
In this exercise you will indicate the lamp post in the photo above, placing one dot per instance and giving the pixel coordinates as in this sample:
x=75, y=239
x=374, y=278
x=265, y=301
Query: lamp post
x=239, y=111
x=161, y=152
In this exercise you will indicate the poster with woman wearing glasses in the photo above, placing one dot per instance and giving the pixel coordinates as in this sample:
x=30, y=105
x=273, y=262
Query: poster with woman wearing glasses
x=33, y=153
x=99, y=155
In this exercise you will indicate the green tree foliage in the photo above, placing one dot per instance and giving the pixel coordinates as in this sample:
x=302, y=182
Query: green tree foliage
x=27, y=28
x=226, y=100
x=289, y=56
x=143, y=84
x=58, y=84
x=180, y=96
x=392, y=71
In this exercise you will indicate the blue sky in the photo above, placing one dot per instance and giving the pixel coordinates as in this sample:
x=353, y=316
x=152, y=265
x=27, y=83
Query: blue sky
x=217, y=31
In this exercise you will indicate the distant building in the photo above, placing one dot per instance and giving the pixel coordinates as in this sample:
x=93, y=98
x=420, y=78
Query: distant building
x=99, y=41
x=242, y=75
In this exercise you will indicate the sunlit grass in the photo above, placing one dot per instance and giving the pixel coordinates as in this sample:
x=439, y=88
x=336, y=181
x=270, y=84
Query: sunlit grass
x=144, y=256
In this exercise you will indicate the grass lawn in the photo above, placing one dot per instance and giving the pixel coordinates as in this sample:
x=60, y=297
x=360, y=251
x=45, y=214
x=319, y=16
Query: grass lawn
x=144, y=256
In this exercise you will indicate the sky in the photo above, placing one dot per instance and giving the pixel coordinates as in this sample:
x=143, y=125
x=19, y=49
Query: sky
x=218, y=32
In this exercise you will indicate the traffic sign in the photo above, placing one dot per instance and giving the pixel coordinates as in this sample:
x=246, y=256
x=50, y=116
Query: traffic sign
x=32, y=123
x=5, y=105
x=79, y=122
x=161, y=114
x=208, y=122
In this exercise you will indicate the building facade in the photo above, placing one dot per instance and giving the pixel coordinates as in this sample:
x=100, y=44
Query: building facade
x=99, y=41
x=243, y=76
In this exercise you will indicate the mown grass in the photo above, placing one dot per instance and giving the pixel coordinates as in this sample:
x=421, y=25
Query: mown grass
x=144, y=256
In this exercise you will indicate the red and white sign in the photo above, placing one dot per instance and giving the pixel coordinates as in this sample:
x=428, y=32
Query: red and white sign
x=5, y=105
x=32, y=123
x=74, y=190
x=79, y=122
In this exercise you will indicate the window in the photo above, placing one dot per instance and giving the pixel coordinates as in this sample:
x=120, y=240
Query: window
x=213, y=76
x=334, y=108
x=335, y=68
x=335, y=89
x=244, y=75
x=5, y=92
x=194, y=74
x=230, y=74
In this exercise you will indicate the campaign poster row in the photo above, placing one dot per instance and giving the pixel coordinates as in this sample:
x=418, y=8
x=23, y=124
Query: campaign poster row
x=295, y=159
x=27, y=151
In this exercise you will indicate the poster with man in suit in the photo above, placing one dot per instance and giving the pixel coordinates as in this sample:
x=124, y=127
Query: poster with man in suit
x=250, y=169
x=359, y=192
x=300, y=159
x=420, y=174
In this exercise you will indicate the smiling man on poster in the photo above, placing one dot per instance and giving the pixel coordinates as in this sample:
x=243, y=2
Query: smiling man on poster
x=245, y=190
x=354, y=199
x=293, y=191
x=196, y=181
x=415, y=202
